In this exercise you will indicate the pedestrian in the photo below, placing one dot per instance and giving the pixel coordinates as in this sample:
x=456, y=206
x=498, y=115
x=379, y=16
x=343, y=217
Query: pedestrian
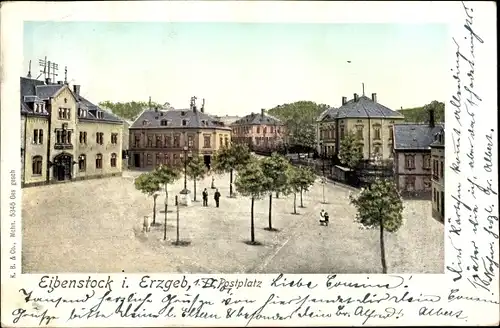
x=217, y=197
x=205, y=197
x=213, y=182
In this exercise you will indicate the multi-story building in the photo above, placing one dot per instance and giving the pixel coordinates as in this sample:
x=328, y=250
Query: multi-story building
x=164, y=136
x=438, y=171
x=259, y=131
x=227, y=119
x=370, y=121
x=66, y=137
x=412, y=157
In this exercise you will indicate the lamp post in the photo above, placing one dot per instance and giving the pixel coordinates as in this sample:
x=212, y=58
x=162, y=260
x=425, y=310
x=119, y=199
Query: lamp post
x=323, y=180
x=186, y=201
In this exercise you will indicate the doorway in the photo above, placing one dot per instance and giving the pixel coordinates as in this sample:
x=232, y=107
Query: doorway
x=207, y=160
x=137, y=160
x=63, y=167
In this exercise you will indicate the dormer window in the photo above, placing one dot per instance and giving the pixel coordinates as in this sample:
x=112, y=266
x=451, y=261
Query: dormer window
x=183, y=113
x=164, y=123
x=145, y=122
x=99, y=114
x=82, y=113
x=184, y=122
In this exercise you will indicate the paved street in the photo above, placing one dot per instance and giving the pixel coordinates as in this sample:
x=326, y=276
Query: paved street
x=96, y=226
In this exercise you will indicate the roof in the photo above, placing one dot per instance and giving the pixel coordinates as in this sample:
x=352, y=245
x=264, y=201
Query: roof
x=364, y=107
x=35, y=91
x=193, y=118
x=258, y=119
x=414, y=136
x=329, y=114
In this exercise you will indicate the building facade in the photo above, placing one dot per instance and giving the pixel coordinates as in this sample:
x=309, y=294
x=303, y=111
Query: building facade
x=438, y=172
x=165, y=136
x=370, y=121
x=259, y=131
x=65, y=136
x=413, y=159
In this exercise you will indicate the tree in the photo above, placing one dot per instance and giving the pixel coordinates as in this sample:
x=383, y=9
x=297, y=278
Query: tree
x=129, y=110
x=196, y=169
x=300, y=119
x=251, y=182
x=380, y=206
x=293, y=185
x=350, y=153
x=421, y=114
x=149, y=184
x=275, y=168
x=305, y=179
x=228, y=159
x=165, y=176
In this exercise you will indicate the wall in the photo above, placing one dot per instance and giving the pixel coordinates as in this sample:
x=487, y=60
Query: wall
x=421, y=175
x=438, y=184
x=31, y=149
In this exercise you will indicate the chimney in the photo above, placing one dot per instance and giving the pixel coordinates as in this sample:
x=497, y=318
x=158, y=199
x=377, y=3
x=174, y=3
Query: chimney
x=344, y=100
x=356, y=97
x=432, y=122
x=202, y=109
x=47, y=81
x=374, y=97
x=76, y=89
x=262, y=111
x=60, y=82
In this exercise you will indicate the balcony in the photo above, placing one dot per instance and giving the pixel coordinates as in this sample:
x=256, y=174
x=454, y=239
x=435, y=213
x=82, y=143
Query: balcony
x=63, y=146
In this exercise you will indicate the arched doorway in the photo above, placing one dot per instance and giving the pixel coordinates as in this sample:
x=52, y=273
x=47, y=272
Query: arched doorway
x=63, y=167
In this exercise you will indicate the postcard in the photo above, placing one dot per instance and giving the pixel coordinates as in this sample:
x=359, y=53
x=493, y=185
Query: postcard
x=249, y=163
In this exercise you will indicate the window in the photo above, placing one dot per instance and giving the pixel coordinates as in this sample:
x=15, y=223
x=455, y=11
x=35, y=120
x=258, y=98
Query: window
x=441, y=171
x=342, y=132
x=410, y=183
x=226, y=142
x=206, y=141
x=166, y=159
x=391, y=134
x=37, y=165
x=176, y=159
x=82, y=163
x=114, y=138
x=376, y=150
x=183, y=113
x=98, y=161
x=190, y=141
x=145, y=122
x=409, y=162
x=137, y=140
x=113, y=160
x=427, y=162
x=359, y=132
x=85, y=137
x=38, y=136
x=264, y=129
x=158, y=159
x=82, y=113
x=150, y=141
x=168, y=141
x=158, y=141
x=81, y=137
x=164, y=123
x=184, y=122
x=376, y=133
x=99, y=138
x=427, y=182
x=64, y=113
x=258, y=129
x=149, y=159
x=177, y=142
x=221, y=143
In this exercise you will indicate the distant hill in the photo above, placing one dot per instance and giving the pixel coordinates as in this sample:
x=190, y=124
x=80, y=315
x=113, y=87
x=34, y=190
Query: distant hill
x=421, y=114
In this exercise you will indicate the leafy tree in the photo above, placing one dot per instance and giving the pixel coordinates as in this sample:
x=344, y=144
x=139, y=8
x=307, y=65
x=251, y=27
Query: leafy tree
x=379, y=206
x=196, y=169
x=275, y=168
x=293, y=185
x=300, y=119
x=421, y=114
x=251, y=181
x=166, y=175
x=305, y=179
x=149, y=184
x=349, y=152
x=128, y=110
x=228, y=159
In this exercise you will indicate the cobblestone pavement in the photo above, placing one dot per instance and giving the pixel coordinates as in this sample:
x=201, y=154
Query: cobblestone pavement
x=96, y=226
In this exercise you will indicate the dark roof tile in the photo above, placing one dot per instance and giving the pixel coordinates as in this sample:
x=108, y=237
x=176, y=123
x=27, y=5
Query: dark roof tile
x=414, y=136
x=257, y=119
x=175, y=117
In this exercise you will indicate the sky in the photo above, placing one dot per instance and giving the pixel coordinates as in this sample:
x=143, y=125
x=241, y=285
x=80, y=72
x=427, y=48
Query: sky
x=240, y=68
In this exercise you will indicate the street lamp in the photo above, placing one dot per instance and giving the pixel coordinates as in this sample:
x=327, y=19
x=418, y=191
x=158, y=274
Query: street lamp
x=185, y=191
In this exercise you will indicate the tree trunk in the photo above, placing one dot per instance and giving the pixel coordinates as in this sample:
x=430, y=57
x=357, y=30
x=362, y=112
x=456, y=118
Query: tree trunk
x=166, y=209
x=231, y=183
x=194, y=182
x=154, y=209
x=301, y=203
x=177, y=223
x=294, y=203
x=277, y=194
x=270, y=211
x=382, y=248
x=252, y=227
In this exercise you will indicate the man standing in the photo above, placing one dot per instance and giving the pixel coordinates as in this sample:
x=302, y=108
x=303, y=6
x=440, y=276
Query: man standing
x=217, y=197
x=205, y=197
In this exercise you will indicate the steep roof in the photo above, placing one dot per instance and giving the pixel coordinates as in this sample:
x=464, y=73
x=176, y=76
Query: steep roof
x=329, y=114
x=174, y=117
x=365, y=107
x=35, y=90
x=414, y=136
x=257, y=119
